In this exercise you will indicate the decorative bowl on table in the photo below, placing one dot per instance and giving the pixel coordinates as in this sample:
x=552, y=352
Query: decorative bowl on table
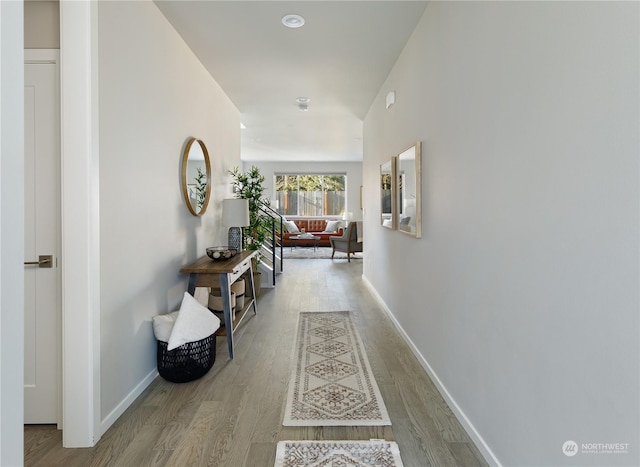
x=221, y=253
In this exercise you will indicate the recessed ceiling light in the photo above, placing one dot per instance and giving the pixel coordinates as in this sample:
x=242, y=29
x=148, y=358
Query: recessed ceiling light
x=302, y=100
x=293, y=21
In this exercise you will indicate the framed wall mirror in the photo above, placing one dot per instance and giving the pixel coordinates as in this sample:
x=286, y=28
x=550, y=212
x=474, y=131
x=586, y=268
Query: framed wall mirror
x=388, y=193
x=409, y=188
x=196, y=176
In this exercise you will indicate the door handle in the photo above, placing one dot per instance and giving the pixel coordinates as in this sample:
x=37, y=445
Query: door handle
x=44, y=261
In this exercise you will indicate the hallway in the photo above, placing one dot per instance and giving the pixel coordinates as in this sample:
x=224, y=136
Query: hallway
x=233, y=415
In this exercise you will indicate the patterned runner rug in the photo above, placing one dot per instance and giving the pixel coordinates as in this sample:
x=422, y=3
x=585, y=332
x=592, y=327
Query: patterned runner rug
x=332, y=383
x=344, y=453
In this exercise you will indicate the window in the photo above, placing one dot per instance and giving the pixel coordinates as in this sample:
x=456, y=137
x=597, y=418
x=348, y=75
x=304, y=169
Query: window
x=310, y=194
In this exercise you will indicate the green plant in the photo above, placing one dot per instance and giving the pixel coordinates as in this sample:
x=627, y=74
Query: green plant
x=201, y=187
x=250, y=185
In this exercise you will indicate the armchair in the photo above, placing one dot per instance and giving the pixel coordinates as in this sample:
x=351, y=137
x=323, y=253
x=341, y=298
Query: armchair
x=347, y=243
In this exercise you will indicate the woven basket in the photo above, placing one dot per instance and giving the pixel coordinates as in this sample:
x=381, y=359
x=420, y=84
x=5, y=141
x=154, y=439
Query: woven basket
x=238, y=289
x=188, y=362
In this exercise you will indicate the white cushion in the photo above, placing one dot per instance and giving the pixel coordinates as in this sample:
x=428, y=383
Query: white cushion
x=163, y=324
x=193, y=323
x=291, y=227
x=332, y=226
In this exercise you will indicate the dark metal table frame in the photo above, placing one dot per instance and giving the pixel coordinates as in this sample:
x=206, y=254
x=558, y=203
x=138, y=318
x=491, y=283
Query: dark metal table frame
x=297, y=238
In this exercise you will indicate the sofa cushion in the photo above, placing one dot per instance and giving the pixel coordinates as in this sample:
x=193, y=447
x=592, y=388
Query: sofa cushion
x=301, y=224
x=316, y=225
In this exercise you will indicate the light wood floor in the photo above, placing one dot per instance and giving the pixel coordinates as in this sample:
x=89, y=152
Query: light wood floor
x=233, y=415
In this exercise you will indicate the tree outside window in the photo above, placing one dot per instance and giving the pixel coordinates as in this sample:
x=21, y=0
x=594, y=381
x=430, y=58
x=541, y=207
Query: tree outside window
x=310, y=194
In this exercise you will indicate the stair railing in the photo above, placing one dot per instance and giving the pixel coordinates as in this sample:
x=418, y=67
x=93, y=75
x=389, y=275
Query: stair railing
x=277, y=226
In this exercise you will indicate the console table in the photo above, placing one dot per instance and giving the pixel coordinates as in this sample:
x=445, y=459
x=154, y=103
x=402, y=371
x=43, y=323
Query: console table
x=208, y=273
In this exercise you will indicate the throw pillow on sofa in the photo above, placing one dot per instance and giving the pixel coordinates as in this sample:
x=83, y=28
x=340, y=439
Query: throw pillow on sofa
x=291, y=227
x=332, y=226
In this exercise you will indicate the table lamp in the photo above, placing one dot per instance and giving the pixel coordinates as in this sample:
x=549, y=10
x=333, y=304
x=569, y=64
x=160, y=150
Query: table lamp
x=235, y=215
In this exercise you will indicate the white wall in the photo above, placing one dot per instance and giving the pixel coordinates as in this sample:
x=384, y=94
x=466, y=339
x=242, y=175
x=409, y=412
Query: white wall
x=80, y=209
x=352, y=169
x=11, y=233
x=154, y=95
x=522, y=295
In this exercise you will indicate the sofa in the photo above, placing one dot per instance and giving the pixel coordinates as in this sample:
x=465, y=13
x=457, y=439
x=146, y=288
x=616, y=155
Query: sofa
x=323, y=228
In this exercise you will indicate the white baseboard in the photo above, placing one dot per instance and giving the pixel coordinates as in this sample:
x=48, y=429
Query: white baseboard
x=109, y=420
x=482, y=446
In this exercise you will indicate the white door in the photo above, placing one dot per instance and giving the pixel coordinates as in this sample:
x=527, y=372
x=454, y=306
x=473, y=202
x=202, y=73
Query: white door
x=42, y=372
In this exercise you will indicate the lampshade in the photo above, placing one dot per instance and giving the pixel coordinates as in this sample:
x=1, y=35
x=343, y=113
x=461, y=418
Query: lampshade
x=235, y=212
x=347, y=216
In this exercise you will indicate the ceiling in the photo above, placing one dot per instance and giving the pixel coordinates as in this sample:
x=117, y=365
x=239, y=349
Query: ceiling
x=339, y=59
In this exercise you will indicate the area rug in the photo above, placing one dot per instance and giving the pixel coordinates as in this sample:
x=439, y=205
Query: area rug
x=319, y=253
x=378, y=453
x=332, y=383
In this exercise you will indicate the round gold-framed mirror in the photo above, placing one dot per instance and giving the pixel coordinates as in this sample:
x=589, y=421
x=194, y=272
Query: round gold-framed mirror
x=196, y=176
